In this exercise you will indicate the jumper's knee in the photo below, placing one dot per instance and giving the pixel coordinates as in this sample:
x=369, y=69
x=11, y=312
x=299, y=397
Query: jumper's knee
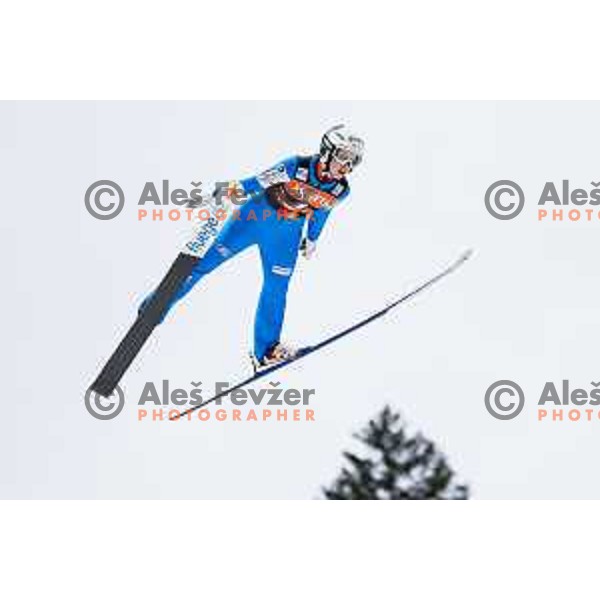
x=282, y=272
x=276, y=283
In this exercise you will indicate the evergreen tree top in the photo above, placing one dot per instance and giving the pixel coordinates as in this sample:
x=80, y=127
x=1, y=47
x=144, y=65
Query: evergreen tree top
x=397, y=466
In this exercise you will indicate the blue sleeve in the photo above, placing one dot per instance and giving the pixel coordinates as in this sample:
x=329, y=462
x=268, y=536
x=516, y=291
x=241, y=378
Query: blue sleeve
x=319, y=217
x=280, y=173
x=316, y=222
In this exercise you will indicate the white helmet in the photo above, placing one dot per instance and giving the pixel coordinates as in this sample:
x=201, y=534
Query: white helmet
x=341, y=144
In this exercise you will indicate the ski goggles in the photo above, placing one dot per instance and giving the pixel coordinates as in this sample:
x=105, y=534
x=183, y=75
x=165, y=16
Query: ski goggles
x=346, y=157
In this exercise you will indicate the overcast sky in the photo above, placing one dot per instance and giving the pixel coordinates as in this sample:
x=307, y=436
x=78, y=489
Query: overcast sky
x=524, y=308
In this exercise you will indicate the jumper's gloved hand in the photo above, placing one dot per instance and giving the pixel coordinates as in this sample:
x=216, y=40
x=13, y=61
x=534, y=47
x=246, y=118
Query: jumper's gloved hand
x=308, y=248
x=221, y=197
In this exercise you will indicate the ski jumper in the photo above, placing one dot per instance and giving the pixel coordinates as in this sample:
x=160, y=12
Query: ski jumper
x=281, y=200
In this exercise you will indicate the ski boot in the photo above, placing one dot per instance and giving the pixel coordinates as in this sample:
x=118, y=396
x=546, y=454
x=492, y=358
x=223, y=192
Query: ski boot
x=276, y=354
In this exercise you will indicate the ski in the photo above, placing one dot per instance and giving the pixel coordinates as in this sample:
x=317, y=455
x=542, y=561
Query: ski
x=152, y=313
x=305, y=351
x=143, y=326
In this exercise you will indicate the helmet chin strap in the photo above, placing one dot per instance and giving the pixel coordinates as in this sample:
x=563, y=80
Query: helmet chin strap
x=326, y=168
x=325, y=165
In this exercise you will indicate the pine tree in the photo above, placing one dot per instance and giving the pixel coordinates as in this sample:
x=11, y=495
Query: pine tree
x=398, y=466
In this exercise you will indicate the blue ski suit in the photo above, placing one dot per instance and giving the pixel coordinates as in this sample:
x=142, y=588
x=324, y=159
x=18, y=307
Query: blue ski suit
x=282, y=200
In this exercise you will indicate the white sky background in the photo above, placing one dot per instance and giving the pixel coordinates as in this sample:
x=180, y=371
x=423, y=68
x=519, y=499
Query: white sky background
x=524, y=308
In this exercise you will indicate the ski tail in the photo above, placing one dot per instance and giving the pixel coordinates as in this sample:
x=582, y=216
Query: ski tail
x=144, y=325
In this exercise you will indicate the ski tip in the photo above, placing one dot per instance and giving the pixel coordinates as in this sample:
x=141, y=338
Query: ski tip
x=468, y=253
